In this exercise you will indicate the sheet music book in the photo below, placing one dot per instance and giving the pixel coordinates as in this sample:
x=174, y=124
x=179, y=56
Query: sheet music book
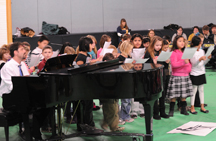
x=164, y=56
x=189, y=52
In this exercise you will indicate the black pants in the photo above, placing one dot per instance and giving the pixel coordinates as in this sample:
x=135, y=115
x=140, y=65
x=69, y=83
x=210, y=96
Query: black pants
x=87, y=107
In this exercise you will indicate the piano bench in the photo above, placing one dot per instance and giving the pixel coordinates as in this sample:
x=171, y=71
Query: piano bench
x=9, y=118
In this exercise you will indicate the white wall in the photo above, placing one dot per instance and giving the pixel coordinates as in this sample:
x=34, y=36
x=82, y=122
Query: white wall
x=3, y=23
x=84, y=16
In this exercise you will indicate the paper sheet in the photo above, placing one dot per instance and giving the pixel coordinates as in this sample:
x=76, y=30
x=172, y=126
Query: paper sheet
x=107, y=51
x=128, y=60
x=209, y=51
x=164, y=56
x=106, y=45
x=138, y=53
x=55, y=53
x=142, y=61
x=195, y=128
x=189, y=52
x=35, y=59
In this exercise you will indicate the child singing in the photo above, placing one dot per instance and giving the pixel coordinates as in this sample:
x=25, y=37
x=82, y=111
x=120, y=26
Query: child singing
x=179, y=84
x=197, y=74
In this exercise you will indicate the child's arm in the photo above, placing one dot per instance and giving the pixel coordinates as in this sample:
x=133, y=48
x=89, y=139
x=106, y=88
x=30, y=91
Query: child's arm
x=79, y=62
x=177, y=63
x=98, y=59
x=207, y=60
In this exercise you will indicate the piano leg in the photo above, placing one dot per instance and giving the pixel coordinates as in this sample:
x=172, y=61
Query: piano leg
x=148, y=107
x=53, y=122
x=27, y=127
x=59, y=120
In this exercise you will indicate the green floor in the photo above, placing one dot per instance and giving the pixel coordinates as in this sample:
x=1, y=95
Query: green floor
x=160, y=127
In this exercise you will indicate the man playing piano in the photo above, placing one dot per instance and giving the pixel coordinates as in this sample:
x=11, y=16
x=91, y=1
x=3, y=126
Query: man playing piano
x=15, y=67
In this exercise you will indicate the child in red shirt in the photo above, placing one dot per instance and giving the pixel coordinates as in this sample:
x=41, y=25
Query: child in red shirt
x=47, y=52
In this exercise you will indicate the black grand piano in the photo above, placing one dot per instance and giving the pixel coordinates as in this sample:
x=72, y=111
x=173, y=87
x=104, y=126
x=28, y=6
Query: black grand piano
x=105, y=80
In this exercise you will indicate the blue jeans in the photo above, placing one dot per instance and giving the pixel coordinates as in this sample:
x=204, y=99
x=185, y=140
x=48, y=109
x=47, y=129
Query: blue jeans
x=125, y=109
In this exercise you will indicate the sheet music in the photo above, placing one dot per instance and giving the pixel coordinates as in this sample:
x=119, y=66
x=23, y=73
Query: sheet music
x=164, y=56
x=138, y=53
x=209, y=51
x=107, y=51
x=35, y=59
x=189, y=52
x=106, y=45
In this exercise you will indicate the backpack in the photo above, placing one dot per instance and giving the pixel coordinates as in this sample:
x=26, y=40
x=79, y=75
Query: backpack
x=171, y=26
x=49, y=29
x=63, y=30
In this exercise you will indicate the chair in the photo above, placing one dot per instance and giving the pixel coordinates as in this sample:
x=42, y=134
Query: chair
x=9, y=118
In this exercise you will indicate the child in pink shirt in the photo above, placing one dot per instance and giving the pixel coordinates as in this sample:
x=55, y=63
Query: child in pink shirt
x=180, y=84
x=104, y=38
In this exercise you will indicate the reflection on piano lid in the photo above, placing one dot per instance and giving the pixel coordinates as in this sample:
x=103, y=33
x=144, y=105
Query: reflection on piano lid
x=92, y=67
x=129, y=67
x=59, y=62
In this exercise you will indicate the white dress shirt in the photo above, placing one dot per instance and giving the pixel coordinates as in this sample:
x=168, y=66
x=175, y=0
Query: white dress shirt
x=8, y=70
x=198, y=67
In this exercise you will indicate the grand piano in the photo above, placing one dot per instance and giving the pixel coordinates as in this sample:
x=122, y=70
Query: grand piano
x=104, y=80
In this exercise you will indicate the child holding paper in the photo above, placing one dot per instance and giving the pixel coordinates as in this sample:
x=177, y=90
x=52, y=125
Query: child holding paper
x=154, y=49
x=138, y=50
x=179, y=84
x=152, y=53
x=104, y=38
x=197, y=73
x=138, y=53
